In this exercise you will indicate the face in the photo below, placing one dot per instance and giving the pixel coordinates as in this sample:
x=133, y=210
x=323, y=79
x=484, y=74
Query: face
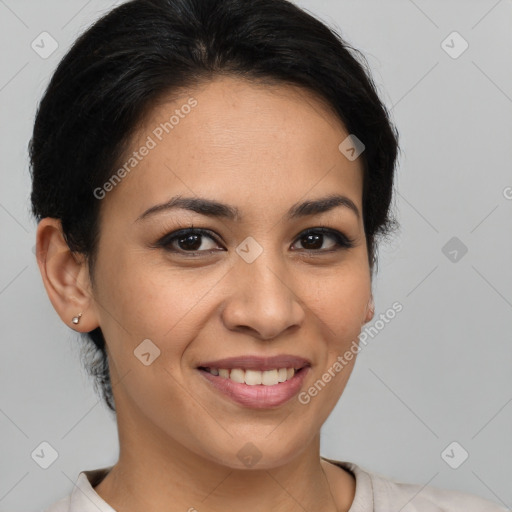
x=253, y=284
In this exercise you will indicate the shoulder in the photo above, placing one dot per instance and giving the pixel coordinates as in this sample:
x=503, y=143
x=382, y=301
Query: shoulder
x=386, y=494
x=416, y=497
x=83, y=497
x=59, y=506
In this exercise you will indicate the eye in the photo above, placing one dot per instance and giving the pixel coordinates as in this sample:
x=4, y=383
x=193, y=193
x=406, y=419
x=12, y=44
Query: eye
x=188, y=241
x=313, y=239
x=191, y=241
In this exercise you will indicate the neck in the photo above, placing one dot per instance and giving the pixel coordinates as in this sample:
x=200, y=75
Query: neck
x=155, y=473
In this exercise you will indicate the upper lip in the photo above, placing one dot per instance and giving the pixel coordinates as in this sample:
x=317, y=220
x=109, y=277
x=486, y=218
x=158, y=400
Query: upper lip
x=248, y=362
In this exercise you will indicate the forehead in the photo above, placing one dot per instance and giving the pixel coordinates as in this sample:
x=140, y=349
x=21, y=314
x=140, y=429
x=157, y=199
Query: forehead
x=243, y=143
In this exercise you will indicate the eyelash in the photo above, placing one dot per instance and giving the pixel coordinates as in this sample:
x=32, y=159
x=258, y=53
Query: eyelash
x=342, y=241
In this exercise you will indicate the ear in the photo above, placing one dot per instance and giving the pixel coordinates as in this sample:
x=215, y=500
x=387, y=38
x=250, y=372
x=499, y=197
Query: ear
x=65, y=276
x=370, y=310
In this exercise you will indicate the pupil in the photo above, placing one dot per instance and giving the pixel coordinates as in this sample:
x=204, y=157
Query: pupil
x=317, y=239
x=195, y=245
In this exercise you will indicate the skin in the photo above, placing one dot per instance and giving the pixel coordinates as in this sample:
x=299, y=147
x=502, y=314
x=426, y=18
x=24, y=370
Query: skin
x=261, y=149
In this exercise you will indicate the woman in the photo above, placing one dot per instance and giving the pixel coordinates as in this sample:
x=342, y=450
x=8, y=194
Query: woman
x=210, y=180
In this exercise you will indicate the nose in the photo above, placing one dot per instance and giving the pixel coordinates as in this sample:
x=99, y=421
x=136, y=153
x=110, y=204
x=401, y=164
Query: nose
x=263, y=302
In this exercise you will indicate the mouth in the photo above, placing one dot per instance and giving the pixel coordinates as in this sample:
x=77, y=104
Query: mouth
x=254, y=377
x=257, y=382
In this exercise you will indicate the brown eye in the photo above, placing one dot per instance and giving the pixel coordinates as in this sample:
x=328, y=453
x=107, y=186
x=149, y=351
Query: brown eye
x=313, y=239
x=194, y=241
x=188, y=241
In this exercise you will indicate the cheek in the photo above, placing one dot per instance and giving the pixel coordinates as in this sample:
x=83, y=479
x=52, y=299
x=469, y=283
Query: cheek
x=339, y=306
x=135, y=304
x=148, y=313
x=149, y=299
x=340, y=301
x=157, y=303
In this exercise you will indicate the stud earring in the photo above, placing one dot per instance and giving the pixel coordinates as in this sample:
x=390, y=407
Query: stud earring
x=76, y=319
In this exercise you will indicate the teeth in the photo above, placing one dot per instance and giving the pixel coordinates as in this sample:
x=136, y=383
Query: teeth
x=255, y=377
x=282, y=374
x=269, y=378
x=236, y=375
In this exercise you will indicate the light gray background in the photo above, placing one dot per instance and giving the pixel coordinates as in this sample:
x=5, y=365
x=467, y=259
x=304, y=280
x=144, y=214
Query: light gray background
x=439, y=372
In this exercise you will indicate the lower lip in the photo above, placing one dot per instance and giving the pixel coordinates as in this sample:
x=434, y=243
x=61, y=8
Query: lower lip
x=258, y=396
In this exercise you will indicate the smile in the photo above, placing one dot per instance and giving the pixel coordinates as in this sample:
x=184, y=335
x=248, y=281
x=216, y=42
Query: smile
x=256, y=381
x=254, y=377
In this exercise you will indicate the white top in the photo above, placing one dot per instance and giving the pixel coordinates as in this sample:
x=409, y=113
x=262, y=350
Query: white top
x=374, y=493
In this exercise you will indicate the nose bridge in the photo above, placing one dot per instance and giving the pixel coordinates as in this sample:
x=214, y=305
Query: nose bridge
x=267, y=280
x=263, y=297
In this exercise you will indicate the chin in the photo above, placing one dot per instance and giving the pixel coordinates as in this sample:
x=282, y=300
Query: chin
x=258, y=452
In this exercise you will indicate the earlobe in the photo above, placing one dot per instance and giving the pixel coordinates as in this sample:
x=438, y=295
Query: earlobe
x=65, y=277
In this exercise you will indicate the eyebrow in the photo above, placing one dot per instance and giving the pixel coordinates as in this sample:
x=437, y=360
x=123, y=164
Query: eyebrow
x=212, y=208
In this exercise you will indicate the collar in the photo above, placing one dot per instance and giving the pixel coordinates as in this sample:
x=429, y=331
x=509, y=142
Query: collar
x=84, y=498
